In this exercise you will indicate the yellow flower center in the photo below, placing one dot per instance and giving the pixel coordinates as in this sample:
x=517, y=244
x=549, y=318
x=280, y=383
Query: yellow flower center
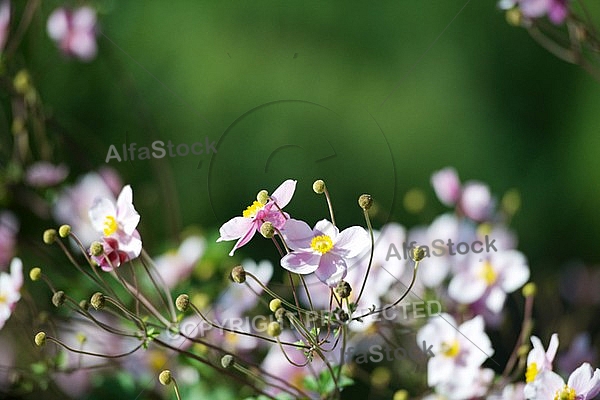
x=253, y=209
x=450, y=349
x=110, y=225
x=487, y=273
x=2, y=298
x=531, y=373
x=566, y=393
x=322, y=244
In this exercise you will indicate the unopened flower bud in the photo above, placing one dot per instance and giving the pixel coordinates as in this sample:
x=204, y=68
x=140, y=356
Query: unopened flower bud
x=523, y=350
x=343, y=289
x=262, y=197
x=49, y=236
x=417, y=253
x=182, y=302
x=96, y=249
x=84, y=304
x=267, y=230
x=401, y=395
x=97, y=301
x=35, y=273
x=514, y=16
x=40, y=339
x=274, y=304
x=343, y=315
x=319, y=186
x=227, y=361
x=165, y=377
x=279, y=313
x=365, y=201
x=274, y=329
x=22, y=82
x=238, y=274
x=58, y=298
x=64, y=231
x=529, y=289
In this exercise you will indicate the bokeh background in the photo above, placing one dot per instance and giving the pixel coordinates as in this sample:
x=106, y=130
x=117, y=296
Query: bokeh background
x=372, y=97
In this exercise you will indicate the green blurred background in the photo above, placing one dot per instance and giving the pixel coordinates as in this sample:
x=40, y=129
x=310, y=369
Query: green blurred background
x=372, y=97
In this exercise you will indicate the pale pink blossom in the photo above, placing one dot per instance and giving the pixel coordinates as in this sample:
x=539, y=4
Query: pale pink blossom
x=489, y=279
x=243, y=228
x=538, y=362
x=446, y=184
x=4, y=22
x=463, y=347
x=74, y=31
x=9, y=227
x=176, y=266
x=10, y=286
x=323, y=250
x=583, y=384
x=117, y=223
x=44, y=174
x=556, y=10
x=476, y=201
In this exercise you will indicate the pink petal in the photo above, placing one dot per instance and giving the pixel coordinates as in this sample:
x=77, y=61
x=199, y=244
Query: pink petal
x=246, y=238
x=83, y=45
x=495, y=299
x=101, y=208
x=58, y=24
x=466, y=289
x=476, y=201
x=514, y=270
x=297, y=234
x=235, y=228
x=127, y=216
x=352, y=241
x=446, y=185
x=301, y=262
x=84, y=18
x=324, y=227
x=332, y=269
x=283, y=194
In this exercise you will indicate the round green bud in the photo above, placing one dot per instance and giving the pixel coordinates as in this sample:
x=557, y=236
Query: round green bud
x=238, y=274
x=273, y=329
x=182, y=302
x=365, y=201
x=35, y=273
x=97, y=301
x=49, y=236
x=227, y=361
x=417, y=253
x=514, y=17
x=319, y=186
x=529, y=289
x=343, y=289
x=96, y=249
x=267, y=230
x=84, y=304
x=274, y=305
x=58, y=298
x=40, y=339
x=64, y=231
x=22, y=82
x=401, y=395
x=165, y=377
x=262, y=197
x=343, y=315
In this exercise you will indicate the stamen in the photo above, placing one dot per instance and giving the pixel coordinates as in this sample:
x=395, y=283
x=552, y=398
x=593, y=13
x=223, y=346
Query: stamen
x=322, y=244
x=252, y=210
x=110, y=225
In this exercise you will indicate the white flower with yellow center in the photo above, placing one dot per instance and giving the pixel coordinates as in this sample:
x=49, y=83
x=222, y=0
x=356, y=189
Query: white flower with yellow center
x=538, y=362
x=489, y=279
x=463, y=347
x=323, y=250
x=583, y=384
x=10, y=285
x=118, y=221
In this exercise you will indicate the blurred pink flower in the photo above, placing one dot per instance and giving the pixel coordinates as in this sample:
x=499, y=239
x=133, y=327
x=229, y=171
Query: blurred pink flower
x=44, y=174
x=557, y=10
x=490, y=279
x=113, y=256
x=74, y=31
x=243, y=228
x=9, y=226
x=476, y=201
x=446, y=184
x=10, y=286
x=176, y=266
x=74, y=202
x=539, y=361
x=322, y=250
x=4, y=22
